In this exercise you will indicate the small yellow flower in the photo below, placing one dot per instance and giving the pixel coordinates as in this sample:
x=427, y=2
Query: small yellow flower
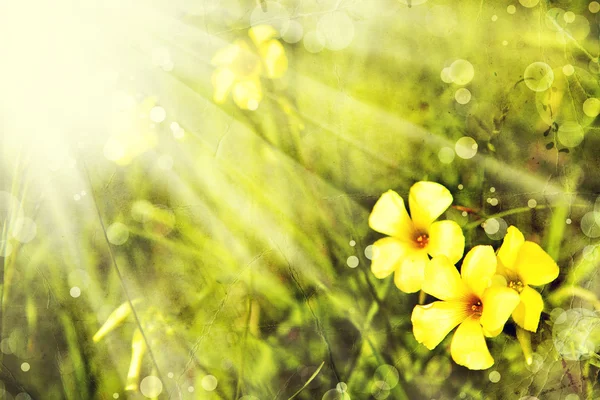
x=467, y=299
x=241, y=65
x=131, y=135
x=412, y=238
x=522, y=263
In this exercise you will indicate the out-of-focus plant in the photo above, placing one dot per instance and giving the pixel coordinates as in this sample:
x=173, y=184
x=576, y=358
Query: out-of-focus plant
x=241, y=65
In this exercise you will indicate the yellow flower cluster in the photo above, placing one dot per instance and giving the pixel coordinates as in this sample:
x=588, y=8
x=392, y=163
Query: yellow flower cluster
x=241, y=65
x=479, y=300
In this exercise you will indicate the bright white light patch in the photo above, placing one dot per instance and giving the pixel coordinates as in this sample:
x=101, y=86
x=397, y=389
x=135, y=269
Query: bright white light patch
x=209, y=383
x=158, y=114
x=151, y=386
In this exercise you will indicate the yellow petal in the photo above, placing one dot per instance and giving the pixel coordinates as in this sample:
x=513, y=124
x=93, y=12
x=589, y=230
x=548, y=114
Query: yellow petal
x=527, y=314
x=498, y=304
x=534, y=265
x=432, y=322
x=442, y=280
x=427, y=201
x=138, y=349
x=115, y=319
x=499, y=280
x=222, y=80
x=247, y=94
x=274, y=57
x=504, y=272
x=513, y=240
x=446, y=239
x=389, y=216
x=478, y=268
x=468, y=346
x=226, y=55
x=261, y=33
x=388, y=253
x=409, y=277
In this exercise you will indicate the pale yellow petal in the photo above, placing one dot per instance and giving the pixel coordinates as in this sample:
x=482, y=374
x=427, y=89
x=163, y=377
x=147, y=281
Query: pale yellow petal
x=442, y=280
x=273, y=55
x=389, y=217
x=446, y=239
x=261, y=33
x=222, y=80
x=114, y=320
x=527, y=314
x=498, y=304
x=513, y=240
x=226, y=55
x=432, y=322
x=388, y=253
x=247, y=94
x=468, y=347
x=478, y=268
x=138, y=349
x=409, y=277
x=534, y=266
x=427, y=201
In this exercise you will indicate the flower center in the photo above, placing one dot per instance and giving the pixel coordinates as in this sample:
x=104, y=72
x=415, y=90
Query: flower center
x=516, y=285
x=475, y=307
x=421, y=240
x=245, y=64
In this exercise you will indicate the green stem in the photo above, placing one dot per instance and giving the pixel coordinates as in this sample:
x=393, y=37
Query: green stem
x=513, y=211
x=398, y=389
x=238, y=386
x=313, y=376
x=563, y=293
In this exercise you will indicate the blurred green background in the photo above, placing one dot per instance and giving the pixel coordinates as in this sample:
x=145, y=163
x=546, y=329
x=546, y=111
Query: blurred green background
x=241, y=237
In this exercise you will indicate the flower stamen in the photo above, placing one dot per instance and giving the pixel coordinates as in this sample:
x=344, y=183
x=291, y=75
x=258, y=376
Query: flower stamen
x=516, y=285
x=421, y=240
x=475, y=307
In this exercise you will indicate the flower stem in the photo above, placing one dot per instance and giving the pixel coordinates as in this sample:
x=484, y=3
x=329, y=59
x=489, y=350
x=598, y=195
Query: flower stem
x=574, y=291
x=513, y=211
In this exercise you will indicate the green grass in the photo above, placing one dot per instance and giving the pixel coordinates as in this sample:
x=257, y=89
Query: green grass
x=239, y=269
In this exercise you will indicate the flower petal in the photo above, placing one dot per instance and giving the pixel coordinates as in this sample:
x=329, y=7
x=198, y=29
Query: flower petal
x=478, y=268
x=261, y=33
x=427, y=201
x=247, y=94
x=409, y=277
x=446, y=238
x=527, y=314
x=226, y=55
x=274, y=57
x=388, y=253
x=468, y=347
x=513, y=240
x=442, y=280
x=535, y=266
x=222, y=80
x=498, y=303
x=432, y=322
x=389, y=216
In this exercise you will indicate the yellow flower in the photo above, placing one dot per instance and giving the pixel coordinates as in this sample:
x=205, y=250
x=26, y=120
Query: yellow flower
x=467, y=299
x=412, y=238
x=522, y=263
x=241, y=65
x=131, y=135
